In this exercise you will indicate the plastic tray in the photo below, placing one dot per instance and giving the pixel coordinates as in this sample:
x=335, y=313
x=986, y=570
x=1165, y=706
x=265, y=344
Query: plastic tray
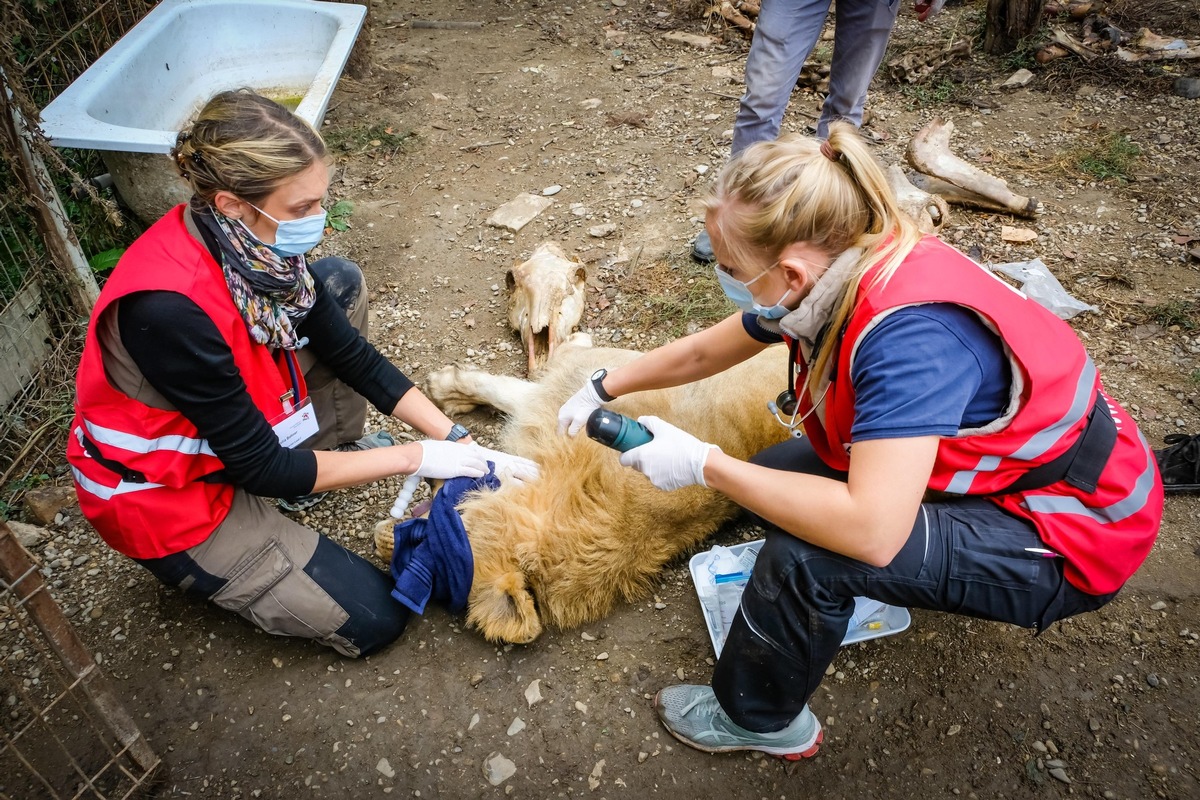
x=885, y=622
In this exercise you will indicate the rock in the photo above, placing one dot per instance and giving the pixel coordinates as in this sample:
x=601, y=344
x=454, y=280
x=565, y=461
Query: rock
x=954, y=730
x=1153, y=681
x=581, y=707
x=590, y=103
x=44, y=502
x=518, y=212
x=691, y=39
x=602, y=657
x=1017, y=235
x=1094, y=725
x=587, y=637
x=30, y=536
x=596, y=774
x=599, y=232
x=1187, y=87
x=1039, y=746
x=533, y=693
x=1059, y=774
x=1017, y=80
x=497, y=769
x=477, y=679
x=1055, y=763
x=642, y=756
x=701, y=168
x=516, y=726
x=474, y=721
x=551, y=190
x=722, y=72
x=1158, y=606
x=385, y=769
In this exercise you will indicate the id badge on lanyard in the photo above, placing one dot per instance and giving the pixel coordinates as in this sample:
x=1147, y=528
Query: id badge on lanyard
x=298, y=422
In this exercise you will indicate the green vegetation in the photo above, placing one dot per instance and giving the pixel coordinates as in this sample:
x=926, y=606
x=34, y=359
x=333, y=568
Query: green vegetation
x=1181, y=313
x=360, y=138
x=679, y=295
x=338, y=215
x=934, y=93
x=1111, y=157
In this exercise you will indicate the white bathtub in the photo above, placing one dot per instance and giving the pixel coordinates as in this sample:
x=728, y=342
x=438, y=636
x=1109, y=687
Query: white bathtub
x=137, y=96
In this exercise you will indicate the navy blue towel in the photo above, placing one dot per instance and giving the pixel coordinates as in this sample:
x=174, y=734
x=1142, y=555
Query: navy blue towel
x=432, y=559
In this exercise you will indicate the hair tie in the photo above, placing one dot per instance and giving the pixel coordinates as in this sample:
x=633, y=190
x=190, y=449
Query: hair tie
x=197, y=157
x=828, y=151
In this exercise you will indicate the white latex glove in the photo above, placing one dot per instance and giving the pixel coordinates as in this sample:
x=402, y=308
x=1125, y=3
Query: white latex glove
x=444, y=460
x=510, y=467
x=575, y=412
x=671, y=460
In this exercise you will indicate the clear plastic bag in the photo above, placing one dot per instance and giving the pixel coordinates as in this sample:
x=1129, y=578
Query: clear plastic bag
x=1040, y=285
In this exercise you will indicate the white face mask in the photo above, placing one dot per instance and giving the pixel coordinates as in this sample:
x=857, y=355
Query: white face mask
x=295, y=237
x=739, y=292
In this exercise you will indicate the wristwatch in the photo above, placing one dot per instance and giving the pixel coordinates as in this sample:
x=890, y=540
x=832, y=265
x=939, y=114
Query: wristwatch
x=457, y=432
x=598, y=384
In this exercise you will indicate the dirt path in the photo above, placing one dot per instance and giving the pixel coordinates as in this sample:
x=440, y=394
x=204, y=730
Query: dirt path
x=591, y=98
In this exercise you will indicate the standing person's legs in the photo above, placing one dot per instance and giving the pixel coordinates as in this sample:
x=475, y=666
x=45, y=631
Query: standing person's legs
x=861, y=32
x=341, y=411
x=288, y=580
x=786, y=33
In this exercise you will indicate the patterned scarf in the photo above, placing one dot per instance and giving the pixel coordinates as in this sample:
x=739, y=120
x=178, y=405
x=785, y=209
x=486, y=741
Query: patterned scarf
x=272, y=293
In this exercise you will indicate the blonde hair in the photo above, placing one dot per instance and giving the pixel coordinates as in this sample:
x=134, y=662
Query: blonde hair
x=244, y=143
x=832, y=195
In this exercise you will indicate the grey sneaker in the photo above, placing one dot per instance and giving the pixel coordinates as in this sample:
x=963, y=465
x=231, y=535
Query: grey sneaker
x=702, y=249
x=368, y=442
x=694, y=717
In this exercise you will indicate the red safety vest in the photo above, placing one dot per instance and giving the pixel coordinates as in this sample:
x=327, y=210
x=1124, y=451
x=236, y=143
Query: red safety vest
x=1103, y=533
x=146, y=480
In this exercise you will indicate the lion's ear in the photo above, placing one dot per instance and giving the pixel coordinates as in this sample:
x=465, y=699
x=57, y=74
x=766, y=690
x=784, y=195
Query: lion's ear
x=503, y=610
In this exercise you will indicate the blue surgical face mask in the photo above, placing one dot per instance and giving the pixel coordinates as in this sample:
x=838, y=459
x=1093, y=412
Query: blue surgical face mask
x=295, y=237
x=739, y=292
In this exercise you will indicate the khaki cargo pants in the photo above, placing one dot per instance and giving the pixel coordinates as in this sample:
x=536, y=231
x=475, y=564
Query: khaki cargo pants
x=286, y=578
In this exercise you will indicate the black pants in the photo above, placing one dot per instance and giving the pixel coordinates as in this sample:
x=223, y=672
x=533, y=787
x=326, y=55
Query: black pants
x=965, y=556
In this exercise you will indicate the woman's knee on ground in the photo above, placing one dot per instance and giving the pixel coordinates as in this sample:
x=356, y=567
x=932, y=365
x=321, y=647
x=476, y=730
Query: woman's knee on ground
x=343, y=279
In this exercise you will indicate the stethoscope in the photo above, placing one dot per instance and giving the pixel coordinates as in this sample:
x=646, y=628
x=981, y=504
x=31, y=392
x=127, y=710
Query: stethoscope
x=786, y=406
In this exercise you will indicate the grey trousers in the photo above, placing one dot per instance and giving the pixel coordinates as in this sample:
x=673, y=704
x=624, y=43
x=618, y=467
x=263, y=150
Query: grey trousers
x=784, y=38
x=282, y=576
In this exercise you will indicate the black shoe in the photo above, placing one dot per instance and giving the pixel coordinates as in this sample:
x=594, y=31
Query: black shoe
x=702, y=249
x=1179, y=464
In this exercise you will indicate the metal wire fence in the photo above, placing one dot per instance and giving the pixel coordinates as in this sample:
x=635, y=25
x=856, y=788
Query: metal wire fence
x=63, y=733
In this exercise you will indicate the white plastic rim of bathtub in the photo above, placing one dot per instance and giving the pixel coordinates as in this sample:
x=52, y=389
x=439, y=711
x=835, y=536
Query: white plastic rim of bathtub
x=137, y=96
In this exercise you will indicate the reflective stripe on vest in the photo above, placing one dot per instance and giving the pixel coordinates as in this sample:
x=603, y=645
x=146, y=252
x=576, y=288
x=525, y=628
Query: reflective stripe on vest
x=1041, y=441
x=186, y=445
x=108, y=492
x=1122, y=509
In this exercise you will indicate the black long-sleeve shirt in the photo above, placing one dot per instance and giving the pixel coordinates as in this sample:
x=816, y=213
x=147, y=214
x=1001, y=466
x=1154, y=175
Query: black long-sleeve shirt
x=182, y=355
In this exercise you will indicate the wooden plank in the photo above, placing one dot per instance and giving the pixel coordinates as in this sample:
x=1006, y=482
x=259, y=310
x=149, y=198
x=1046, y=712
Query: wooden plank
x=24, y=341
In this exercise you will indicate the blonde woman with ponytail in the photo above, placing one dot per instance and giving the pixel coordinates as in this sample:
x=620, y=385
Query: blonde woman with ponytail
x=222, y=369
x=953, y=446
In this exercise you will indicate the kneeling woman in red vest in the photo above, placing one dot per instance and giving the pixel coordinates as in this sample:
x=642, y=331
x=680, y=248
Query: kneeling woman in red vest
x=220, y=368
x=959, y=451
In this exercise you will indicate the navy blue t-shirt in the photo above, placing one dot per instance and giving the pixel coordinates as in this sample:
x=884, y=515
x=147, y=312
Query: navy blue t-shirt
x=925, y=370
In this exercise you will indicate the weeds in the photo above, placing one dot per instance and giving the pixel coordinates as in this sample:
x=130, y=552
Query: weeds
x=681, y=296
x=338, y=215
x=930, y=95
x=360, y=138
x=1176, y=313
x=1111, y=157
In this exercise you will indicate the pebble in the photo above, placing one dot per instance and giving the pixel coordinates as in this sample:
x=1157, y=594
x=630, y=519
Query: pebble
x=660, y=606
x=601, y=231
x=474, y=721
x=1060, y=774
x=385, y=769
x=476, y=679
x=1039, y=747
x=954, y=730
x=1093, y=725
x=497, y=769
x=587, y=637
x=581, y=707
x=702, y=168
x=195, y=726
x=533, y=693
x=602, y=657
x=591, y=102
x=679, y=673
x=551, y=190
x=642, y=756
x=635, y=203
x=1159, y=606
x=1153, y=681
x=516, y=726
